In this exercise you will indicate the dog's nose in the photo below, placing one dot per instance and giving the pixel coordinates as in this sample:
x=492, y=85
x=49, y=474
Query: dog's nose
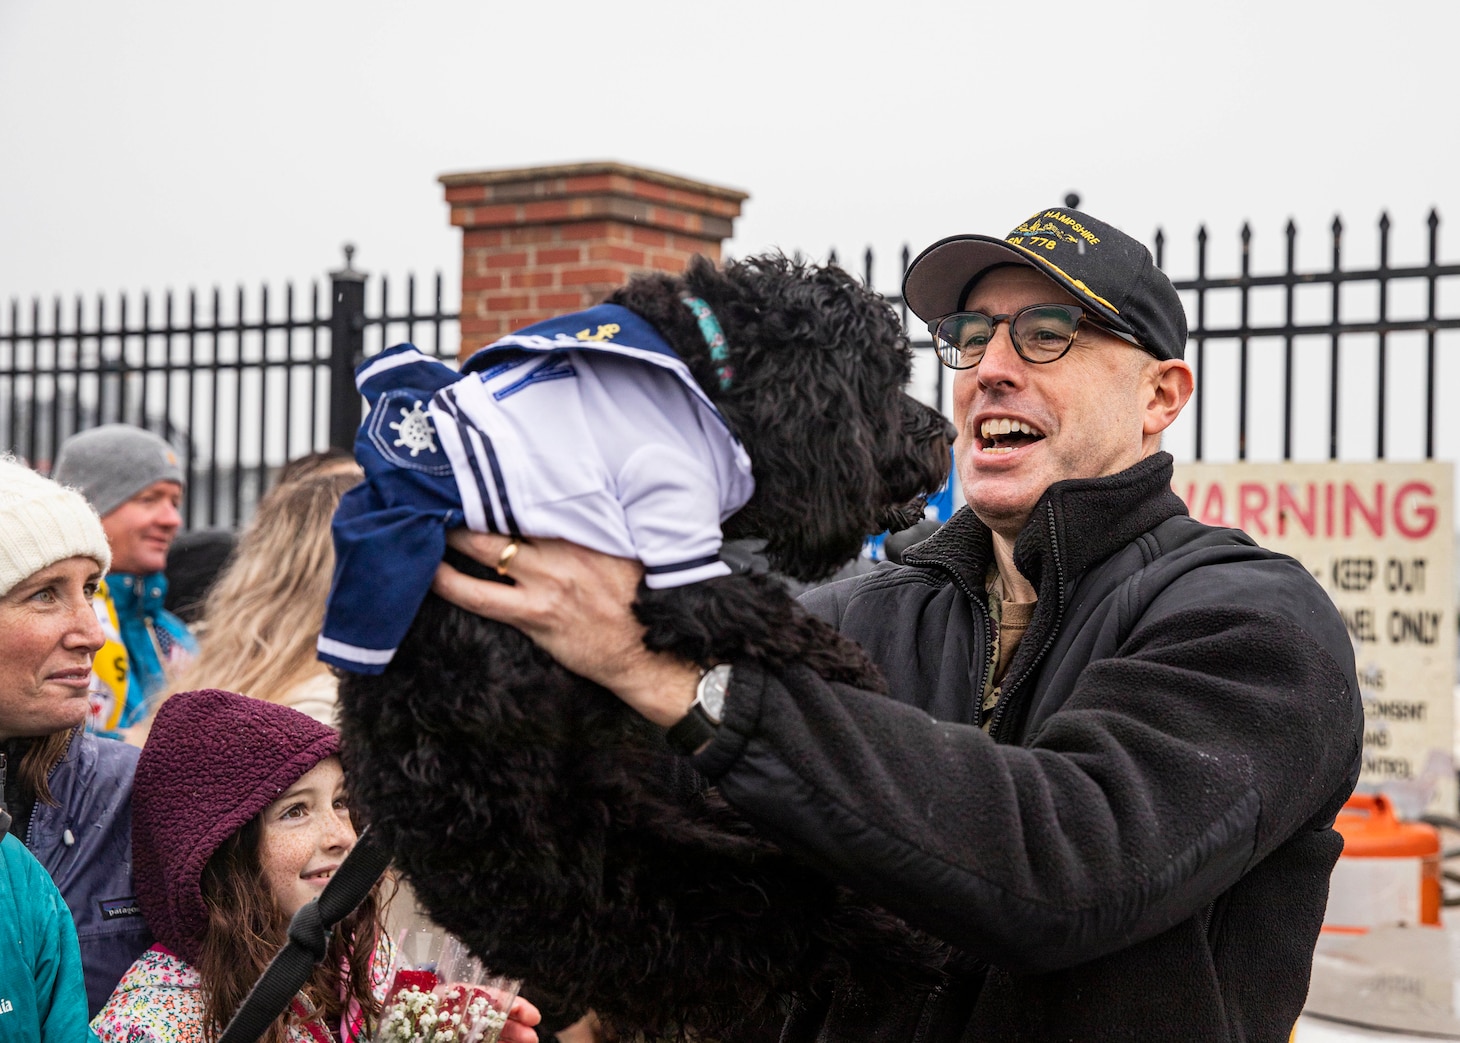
x=949, y=431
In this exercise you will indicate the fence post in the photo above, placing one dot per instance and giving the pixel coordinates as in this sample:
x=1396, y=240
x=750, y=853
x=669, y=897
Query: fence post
x=347, y=348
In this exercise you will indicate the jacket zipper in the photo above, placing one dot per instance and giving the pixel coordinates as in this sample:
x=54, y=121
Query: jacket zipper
x=5, y=818
x=927, y=1014
x=1001, y=711
x=990, y=636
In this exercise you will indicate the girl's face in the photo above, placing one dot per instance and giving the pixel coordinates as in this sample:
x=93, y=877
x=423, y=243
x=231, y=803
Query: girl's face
x=306, y=835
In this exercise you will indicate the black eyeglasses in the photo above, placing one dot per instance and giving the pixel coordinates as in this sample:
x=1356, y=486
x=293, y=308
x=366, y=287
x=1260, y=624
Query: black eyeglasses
x=1042, y=333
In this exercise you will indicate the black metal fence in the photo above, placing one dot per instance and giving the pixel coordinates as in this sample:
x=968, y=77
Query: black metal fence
x=239, y=386
x=1293, y=364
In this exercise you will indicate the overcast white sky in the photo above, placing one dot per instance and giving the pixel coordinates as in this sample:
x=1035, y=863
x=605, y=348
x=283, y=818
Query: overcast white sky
x=171, y=143
x=164, y=143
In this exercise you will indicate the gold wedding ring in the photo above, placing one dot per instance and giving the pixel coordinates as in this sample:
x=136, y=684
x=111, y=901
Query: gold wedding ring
x=504, y=560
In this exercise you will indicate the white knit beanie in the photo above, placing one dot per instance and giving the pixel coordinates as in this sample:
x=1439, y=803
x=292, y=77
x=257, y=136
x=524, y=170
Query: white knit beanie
x=42, y=523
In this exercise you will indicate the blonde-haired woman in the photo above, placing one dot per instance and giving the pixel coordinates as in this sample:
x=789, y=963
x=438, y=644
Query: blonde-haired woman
x=262, y=616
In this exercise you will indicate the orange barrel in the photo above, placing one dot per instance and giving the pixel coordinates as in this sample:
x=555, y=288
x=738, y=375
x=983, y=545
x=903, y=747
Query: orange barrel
x=1389, y=872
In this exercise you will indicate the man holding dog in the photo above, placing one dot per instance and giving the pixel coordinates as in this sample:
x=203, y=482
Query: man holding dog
x=1115, y=740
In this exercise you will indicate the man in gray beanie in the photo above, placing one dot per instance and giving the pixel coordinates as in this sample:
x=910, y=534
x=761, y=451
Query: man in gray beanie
x=135, y=481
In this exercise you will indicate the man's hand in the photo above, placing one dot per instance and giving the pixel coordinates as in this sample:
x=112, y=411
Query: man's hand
x=575, y=604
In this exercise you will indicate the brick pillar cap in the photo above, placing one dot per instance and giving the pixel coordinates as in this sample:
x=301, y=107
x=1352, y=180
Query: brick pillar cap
x=590, y=169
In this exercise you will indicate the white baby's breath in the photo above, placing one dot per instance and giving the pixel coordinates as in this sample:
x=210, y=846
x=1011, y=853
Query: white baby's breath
x=413, y=1016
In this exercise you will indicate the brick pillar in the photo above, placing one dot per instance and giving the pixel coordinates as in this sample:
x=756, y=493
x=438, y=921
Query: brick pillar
x=540, y=241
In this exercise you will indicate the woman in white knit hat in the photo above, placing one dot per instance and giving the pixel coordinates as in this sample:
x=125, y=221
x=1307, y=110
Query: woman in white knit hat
x=67, y=794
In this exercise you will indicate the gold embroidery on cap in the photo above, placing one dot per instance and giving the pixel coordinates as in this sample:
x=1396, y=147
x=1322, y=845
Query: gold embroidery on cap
x=1076, y=283
x=1047, y=235
x=1083, y=232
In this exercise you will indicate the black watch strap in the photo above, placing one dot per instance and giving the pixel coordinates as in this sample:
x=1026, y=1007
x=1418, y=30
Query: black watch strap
x=693, y=731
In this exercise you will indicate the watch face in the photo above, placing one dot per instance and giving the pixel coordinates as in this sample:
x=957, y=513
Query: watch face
x=712, y=688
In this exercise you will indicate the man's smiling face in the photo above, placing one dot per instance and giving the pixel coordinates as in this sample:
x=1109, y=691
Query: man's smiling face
x=1022, y=427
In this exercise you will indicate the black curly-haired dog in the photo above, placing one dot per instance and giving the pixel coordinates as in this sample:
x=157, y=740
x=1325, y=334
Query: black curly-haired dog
x=549, y=826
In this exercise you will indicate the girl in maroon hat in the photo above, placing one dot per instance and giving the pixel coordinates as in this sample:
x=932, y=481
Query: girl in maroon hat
x=239, y=818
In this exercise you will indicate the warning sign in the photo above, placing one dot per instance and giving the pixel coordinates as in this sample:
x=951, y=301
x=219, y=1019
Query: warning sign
x=1379, y=538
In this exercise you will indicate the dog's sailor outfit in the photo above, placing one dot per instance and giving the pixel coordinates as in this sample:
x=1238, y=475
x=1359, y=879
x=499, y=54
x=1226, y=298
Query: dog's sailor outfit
x=586, y=427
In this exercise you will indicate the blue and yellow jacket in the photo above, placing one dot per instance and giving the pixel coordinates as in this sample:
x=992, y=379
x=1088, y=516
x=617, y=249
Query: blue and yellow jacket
x=144, y=643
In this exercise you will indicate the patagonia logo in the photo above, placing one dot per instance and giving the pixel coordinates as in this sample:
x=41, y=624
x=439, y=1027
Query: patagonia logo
x=116, y=908
x=6, y=1006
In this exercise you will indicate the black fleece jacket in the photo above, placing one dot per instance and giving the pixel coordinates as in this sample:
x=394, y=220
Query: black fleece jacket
x=1141, y=847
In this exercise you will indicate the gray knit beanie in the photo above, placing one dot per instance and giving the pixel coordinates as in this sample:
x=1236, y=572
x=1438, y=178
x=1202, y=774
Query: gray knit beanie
x=42, y=523
x=113, y=463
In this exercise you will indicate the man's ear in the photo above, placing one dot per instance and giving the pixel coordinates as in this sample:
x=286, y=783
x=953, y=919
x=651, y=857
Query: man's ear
x=1168, y=384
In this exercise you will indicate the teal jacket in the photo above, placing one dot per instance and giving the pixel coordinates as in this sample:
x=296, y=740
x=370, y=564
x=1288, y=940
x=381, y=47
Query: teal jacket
x=42, y=997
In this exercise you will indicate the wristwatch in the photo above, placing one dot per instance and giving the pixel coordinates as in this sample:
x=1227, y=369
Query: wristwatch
x=702, y=723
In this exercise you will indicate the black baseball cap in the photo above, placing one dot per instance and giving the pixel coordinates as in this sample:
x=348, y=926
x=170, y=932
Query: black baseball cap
x=1112, y=275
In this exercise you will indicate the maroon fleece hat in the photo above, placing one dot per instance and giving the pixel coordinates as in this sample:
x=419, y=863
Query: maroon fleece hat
x=212, y=762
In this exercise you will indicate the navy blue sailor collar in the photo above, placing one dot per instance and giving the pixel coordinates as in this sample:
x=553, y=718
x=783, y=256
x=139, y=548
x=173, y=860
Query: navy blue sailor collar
x=608, y=328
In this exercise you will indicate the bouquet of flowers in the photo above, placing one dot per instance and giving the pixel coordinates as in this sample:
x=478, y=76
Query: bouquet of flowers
x=441, y=994
x=449, y=1014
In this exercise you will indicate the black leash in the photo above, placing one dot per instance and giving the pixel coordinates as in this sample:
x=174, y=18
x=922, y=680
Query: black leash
x=309, y=935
